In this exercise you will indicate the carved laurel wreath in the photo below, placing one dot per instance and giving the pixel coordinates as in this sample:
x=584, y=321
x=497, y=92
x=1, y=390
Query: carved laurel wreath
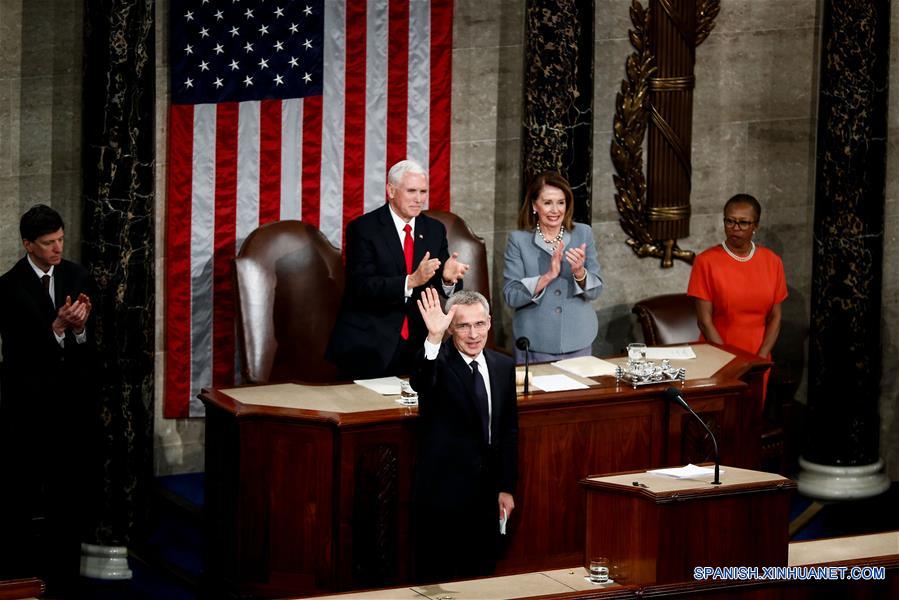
x=631, y=115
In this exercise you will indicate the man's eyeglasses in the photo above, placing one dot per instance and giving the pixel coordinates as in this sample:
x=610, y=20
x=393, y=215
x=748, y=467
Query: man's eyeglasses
x=735, y=224
x=477, y=327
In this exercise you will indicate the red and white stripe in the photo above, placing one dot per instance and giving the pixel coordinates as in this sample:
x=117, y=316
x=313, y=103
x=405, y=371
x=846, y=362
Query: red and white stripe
x=235, y=166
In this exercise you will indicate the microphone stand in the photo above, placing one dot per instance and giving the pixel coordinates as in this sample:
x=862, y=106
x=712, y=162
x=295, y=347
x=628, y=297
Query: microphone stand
x=674, y=394
x=524, y=343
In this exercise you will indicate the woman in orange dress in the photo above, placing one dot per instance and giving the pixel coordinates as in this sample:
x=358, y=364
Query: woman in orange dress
x=739, y=285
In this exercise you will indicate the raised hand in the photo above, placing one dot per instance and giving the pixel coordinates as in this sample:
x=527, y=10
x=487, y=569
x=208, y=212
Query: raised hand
x=425, y=271
x=454, y=270
x=435, y=320
x=555, y=266
x=576, y=258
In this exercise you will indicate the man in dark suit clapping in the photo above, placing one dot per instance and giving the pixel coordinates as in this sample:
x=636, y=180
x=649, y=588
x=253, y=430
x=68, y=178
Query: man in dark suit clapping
x=45, y=327
x=392, y=254
x=468, y=444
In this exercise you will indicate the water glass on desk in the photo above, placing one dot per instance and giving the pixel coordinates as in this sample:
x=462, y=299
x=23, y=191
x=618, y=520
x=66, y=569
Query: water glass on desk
x=408, y=395
x=636, y=351
x=599, y=570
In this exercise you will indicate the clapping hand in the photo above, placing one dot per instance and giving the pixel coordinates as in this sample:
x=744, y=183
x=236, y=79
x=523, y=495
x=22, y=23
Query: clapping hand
x=426, y=269
x=72, y=315
x=555, y=266
x=454, y=270
x=576, y=258
x=435, y=320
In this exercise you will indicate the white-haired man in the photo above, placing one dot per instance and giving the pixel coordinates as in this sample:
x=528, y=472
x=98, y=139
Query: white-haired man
x=392, y=254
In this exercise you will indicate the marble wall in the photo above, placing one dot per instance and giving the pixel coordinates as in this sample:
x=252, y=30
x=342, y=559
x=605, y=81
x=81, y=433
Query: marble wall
x=889, y=330
x=40, y=117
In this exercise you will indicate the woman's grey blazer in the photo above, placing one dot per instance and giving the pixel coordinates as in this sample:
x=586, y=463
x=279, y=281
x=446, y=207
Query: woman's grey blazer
x=561, y=318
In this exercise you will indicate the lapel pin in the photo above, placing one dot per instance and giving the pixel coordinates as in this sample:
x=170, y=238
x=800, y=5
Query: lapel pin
x=421, y=237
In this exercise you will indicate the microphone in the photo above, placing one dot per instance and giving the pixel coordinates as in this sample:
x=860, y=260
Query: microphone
x=524, y=344
x=674, y=394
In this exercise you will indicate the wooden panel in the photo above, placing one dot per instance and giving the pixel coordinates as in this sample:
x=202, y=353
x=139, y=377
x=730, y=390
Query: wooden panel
x=556, y=450
x=652, y=538
x=374, y=517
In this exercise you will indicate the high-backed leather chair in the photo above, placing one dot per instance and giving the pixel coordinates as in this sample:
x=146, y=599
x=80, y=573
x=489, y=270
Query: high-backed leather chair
x=471, y=248
x=289, y=281
x=667, y=319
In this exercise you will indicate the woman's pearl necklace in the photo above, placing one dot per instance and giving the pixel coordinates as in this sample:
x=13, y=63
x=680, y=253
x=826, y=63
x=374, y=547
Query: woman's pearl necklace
x=737, y=258
x=553, y=241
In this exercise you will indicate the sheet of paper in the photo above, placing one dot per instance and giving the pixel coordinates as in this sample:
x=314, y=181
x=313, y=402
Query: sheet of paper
x=386, y=386
x=671, y=353
x=586, y=366
x=557, y=383
x=688, y=472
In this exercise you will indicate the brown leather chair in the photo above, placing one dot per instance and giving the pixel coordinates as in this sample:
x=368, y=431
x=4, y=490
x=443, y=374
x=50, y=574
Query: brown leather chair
x=667, y=319
x=472, y=250
x=289, y=282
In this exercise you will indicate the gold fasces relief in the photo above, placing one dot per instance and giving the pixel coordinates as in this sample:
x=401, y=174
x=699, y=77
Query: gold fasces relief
x=633, y=110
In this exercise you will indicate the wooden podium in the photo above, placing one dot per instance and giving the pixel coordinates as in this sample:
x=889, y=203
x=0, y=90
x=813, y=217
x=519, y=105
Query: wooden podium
x=659, y=530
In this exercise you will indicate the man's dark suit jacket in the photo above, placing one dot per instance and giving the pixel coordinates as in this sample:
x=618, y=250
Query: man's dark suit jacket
x=460, y=475
x=44, y=407
x=367, y=331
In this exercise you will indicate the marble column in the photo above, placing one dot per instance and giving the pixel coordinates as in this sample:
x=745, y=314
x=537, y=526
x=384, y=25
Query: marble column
x=557, y=121
x=841, y=456
x=117, y=248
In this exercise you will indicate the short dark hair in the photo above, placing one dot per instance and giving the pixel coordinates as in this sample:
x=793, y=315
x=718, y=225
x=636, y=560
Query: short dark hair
x=39, y=220
x=746, y=199
x=527, y=220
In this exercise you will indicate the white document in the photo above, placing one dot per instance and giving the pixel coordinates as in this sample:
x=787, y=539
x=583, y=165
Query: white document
x=671, y=353
x=557, y=383
x=502, y=523
x=386, y=386
x=586, y=366
x=688, y=472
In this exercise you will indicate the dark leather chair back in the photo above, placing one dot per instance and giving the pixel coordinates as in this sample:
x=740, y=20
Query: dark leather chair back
x=667, y=319
x=470, y=247
x=289, y=281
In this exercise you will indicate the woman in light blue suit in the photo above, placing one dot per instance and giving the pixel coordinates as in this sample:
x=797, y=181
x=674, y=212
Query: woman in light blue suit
x=551, y=274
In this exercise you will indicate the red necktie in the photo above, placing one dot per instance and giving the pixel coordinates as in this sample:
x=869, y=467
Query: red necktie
x=407, y=250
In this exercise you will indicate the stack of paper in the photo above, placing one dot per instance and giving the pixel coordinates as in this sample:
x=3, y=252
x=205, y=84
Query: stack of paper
x=386, y=386
x=557, y=383
x=671, y=353
x=688, y=472
x=586, y=366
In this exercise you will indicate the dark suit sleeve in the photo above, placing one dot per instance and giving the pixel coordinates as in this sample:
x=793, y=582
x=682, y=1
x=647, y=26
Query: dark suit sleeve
x=508, y=449
x=423, y=380
x=366, y=280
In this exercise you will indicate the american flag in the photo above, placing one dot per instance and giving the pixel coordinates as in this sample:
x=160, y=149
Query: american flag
x=286, y=109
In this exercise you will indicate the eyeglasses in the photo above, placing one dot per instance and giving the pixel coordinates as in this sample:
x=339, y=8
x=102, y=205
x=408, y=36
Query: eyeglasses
x=734, y=224
x=477, y=327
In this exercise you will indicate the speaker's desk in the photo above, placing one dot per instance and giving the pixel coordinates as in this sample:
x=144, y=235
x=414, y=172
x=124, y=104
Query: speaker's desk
x=308, y=488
